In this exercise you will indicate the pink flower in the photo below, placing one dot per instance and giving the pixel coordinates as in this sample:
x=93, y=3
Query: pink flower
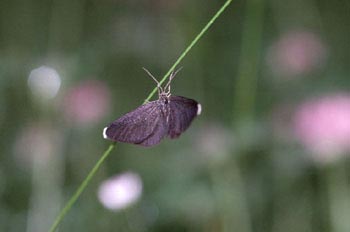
x=87, y=103
x=323, y=126
x=296, y=53
x=120, y=191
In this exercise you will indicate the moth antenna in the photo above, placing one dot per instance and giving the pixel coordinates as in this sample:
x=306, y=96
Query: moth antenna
x=160, y=89
x=172, y=76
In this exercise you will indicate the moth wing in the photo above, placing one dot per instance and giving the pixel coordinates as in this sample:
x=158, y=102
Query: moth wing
x=145, y=126
x=182, y=112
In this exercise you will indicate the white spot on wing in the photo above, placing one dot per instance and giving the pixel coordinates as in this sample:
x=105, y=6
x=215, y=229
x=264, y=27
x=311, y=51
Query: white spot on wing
x=104, y=133
x=199, y=109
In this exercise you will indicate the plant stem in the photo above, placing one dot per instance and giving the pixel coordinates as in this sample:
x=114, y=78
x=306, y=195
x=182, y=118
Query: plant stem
x=81, y=188
x=338, y=198
x=244, y=102
x=84, y=184
x=211, y=21
x=246, y=83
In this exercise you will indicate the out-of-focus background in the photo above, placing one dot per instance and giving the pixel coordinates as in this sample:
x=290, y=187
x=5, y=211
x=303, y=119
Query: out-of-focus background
x=269, y=152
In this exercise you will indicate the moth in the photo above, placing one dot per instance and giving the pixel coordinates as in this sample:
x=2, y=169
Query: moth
x=147, y=125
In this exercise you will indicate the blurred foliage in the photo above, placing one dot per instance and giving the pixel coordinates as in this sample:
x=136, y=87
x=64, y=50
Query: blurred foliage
x=238, y=168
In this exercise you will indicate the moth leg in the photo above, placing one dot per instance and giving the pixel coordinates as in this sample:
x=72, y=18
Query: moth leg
x=172, y=76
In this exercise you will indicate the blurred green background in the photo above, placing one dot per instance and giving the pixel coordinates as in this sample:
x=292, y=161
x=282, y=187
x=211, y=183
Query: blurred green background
x=268, y=153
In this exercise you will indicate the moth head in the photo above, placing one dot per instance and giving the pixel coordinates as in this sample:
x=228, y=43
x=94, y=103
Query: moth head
x=163, y=92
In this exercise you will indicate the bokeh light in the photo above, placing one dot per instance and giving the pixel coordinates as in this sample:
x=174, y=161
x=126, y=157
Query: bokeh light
x=44, y=82
x=88, y=102
x=120, y=191
x=36, y=142
x=214, y=142
x=323, y=126
x=296, y=53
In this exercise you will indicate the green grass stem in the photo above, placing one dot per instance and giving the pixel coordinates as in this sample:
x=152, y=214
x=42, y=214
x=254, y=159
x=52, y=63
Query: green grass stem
x=81, y=188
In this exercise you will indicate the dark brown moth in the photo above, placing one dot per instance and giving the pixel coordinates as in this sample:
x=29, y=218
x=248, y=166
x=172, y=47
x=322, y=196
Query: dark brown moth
x=148, y=124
